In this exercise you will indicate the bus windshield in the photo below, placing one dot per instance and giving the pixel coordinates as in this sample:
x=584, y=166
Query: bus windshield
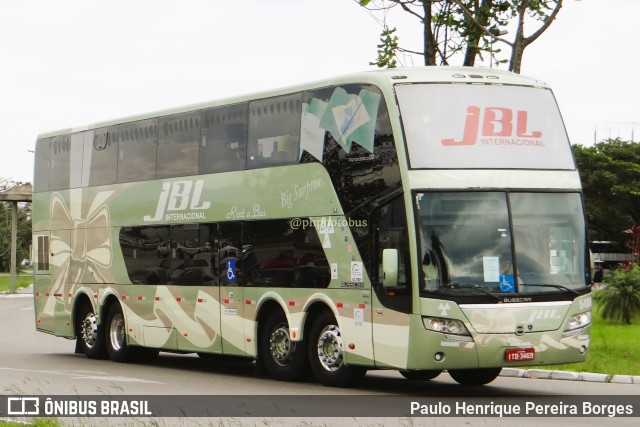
x=501, y=242
x=462, y=126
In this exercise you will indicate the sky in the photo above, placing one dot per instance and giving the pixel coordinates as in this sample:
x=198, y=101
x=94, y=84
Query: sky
x=68, y=63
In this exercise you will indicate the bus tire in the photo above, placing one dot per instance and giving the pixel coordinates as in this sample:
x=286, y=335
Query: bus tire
x=283, y=358
x=326, y=355
x=90, y=336
x=116, y=336
x=420, y=375
x=474, y=376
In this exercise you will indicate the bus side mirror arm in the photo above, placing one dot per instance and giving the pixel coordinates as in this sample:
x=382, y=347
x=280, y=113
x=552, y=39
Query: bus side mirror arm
x=389, y=268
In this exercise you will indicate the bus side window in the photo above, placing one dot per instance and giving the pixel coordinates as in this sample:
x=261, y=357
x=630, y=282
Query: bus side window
x=272, y=253
x=42, y=165
x=274, y=131
x=60, y=162
x=191, y=248
x=147, y=254
x=223, y=139
x=178, y=143
x=231, y=258
x=137, y=147
x=42, y=260
x=100, y=156
x=312, y=267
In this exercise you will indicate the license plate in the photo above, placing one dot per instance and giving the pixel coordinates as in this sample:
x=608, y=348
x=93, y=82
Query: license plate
x=519, y=354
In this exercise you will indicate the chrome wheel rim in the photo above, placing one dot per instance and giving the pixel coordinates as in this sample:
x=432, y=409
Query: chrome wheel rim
x=281, y=347
x=330, y=348
x=116, y=332
x=89, y=330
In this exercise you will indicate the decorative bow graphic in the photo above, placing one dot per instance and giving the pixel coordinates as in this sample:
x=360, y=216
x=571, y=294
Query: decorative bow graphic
x=81, y=250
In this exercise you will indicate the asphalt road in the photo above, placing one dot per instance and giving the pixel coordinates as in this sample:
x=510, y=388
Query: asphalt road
x=37, y=364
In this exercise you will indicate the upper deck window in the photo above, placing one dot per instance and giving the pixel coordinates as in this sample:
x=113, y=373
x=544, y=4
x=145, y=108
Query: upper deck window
x=466, y=126
x=42, y=165
x=223, y=144
x=137, y=146
x=60, y=158
x=274, y=131
x=178, y=144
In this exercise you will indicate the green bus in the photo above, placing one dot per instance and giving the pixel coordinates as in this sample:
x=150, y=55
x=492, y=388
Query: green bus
x=421, y=220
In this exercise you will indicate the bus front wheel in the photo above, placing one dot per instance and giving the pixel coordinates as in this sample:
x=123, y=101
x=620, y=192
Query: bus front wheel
x=283, y=358
x=90, y=336
x=326, y=354
x=474, y=376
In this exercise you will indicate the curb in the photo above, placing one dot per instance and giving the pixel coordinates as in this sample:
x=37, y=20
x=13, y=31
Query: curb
x=542, y=374
x=626, y=379
x=20, y=292
x=16, y=295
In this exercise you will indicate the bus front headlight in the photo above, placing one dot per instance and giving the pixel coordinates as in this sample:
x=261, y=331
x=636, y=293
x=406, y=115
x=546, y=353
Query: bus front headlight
x=576, y=323
x=451, y=328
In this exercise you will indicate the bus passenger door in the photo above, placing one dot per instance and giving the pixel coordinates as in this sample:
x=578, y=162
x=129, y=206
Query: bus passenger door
x=229, y=263
x=192, y=278
x=45, y=305
x=392, y=305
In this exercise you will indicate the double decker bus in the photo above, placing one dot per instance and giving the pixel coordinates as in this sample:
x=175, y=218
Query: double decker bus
x=419, y=220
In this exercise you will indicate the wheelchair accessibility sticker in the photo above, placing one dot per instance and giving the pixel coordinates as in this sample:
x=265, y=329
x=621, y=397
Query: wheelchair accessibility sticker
x=231, y=270
x=507, y=283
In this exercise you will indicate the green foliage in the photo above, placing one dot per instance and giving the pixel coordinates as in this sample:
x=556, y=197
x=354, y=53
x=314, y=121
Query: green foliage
x=23, y=280
x=35, y=422
x=613, y=348
x=485, y=15
x=24, y=236
x=24, y=230
x=464, y=27
x=387, y=49
x=619, y=300
x=610, y=174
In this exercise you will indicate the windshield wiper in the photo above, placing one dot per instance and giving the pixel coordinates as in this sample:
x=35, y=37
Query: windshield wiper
x=560, y=287
x=476, y=288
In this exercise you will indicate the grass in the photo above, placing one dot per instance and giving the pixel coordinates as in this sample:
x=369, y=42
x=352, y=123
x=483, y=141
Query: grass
x=614, y=348
x=23, y=280
x=36, y=422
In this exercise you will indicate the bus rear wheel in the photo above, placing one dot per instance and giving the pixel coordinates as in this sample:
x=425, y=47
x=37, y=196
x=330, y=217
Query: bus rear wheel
x=283, y=358
x=326, y=354
x=116, y=340
x=89, y=335
x=474, y=376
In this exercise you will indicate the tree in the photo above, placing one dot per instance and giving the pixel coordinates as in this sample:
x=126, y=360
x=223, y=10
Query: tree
x=24, y=229
x=450, y=27
x=620, y=298
x=610, y=175
x=633, y=243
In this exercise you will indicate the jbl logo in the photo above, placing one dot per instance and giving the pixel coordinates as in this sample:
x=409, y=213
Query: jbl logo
x=495, y=122
x=543, y=315
x=178, y=196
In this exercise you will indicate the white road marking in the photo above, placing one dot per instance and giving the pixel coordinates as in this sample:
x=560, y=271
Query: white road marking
x=84, y=375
